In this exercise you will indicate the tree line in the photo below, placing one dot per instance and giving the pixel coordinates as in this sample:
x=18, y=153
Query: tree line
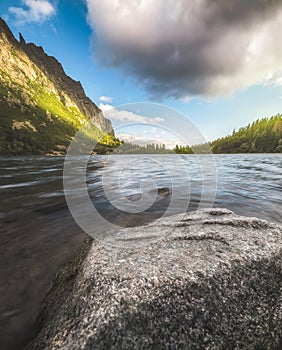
x=152, y=148
x=262, y=136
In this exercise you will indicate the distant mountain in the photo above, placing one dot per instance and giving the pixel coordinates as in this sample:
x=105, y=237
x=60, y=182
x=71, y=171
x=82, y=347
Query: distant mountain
x=41, y=108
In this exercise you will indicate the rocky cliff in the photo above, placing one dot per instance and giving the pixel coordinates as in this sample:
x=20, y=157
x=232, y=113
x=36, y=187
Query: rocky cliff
x=41, y=107
x=208, y=280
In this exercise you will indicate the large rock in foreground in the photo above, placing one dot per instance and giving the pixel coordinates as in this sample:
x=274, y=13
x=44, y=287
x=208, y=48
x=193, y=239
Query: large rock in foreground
x=214, y=282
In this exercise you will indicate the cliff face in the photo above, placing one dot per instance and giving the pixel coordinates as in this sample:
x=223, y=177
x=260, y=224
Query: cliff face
x=41, y=107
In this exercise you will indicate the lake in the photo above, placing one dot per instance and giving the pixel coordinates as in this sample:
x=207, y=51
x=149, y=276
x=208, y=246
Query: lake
x=38, y=233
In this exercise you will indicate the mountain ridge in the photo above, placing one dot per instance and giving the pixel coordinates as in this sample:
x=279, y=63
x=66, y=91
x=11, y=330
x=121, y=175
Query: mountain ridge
x=41, y=107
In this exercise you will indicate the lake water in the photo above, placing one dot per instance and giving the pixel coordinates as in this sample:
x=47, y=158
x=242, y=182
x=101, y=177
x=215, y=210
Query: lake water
x=38, y=234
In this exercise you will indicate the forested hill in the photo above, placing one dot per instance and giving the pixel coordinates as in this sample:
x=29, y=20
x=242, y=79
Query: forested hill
x=262, y=136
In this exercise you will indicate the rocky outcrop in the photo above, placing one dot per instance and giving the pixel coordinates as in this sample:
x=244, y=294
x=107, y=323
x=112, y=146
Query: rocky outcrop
x=5, y=31
x=207, y=280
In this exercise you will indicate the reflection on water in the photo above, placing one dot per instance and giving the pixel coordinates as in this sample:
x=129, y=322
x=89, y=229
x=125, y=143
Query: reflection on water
x=38, y=234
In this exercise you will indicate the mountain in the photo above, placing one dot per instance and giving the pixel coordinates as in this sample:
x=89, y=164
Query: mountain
x=41, y=108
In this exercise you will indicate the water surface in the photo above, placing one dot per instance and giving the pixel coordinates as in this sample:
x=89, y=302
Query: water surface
x=38, y=234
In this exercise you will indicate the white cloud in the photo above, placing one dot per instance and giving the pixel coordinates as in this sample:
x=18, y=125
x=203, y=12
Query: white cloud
x=33, y=11
x=106, y=99
x=105, y=107
x=185, y=48
x=279, y=81
x=125, y=116
x=143, y=140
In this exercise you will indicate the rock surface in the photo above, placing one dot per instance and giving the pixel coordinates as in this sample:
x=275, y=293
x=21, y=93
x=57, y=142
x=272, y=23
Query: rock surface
x=212, y=280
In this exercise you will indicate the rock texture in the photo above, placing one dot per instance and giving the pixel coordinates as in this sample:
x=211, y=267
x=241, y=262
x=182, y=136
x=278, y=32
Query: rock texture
x=212, y=280
x=41, y=108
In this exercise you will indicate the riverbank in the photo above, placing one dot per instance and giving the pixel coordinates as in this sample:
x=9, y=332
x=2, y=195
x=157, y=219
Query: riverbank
x=212, y=281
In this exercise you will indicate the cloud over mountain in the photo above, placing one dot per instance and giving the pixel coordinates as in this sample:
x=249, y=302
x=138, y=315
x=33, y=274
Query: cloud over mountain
x=185, y=48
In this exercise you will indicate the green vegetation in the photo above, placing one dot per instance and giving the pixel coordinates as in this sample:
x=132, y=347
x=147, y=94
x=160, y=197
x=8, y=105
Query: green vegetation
x=42, y=109
x=183, y=150
x=262, y=136
x=44, y=127
x=35, y=121
x=129, y=148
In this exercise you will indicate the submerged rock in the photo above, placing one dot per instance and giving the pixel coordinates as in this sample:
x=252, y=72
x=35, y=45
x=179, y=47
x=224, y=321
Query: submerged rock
x=163, y=191
x=213, y=281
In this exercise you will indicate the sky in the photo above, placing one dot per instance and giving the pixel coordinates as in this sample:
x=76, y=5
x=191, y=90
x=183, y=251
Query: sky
x=215, y=65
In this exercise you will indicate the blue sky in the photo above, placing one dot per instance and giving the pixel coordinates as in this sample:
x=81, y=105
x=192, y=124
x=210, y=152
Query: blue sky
x=113, y=57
